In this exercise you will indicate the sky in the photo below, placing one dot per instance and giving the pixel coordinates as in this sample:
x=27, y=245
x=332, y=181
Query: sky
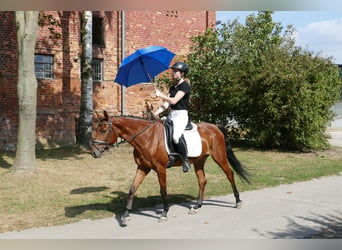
x=318, y=31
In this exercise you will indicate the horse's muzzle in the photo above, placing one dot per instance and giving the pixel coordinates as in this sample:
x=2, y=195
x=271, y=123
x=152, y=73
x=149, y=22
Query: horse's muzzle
x=96, y=153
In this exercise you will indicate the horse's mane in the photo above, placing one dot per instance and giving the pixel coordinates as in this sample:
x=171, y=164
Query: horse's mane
x=132, y=116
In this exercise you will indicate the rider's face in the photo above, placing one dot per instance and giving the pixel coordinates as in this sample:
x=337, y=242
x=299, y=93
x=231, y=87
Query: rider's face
x=176, y=74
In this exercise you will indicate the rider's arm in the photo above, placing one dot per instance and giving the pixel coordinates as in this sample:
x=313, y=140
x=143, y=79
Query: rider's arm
x=172, y=100
x=161, y=109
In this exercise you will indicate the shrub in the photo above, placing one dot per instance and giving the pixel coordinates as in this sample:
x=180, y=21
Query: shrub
x=280, y=95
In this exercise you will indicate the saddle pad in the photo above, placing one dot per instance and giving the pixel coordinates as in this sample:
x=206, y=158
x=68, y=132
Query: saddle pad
x=193, y=142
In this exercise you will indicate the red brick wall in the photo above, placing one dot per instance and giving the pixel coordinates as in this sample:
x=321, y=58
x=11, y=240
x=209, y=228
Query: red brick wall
x=164, y=28
x=59, y=98
x=8, y=80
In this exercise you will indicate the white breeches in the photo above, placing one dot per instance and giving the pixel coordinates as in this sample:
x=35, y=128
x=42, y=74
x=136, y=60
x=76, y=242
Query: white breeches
x=180, y=120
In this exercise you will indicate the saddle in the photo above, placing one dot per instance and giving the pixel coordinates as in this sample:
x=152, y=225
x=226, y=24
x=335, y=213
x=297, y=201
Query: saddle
x=190, y=136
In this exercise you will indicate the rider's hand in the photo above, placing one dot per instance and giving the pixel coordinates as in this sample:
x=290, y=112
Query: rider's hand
x=155, y=116
x=158, y=93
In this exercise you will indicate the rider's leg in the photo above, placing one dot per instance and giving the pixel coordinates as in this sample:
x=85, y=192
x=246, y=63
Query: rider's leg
x=181, y=148
x=180, y=120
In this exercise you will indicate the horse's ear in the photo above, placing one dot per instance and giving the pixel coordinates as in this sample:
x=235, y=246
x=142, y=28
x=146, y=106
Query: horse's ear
x=105, y=115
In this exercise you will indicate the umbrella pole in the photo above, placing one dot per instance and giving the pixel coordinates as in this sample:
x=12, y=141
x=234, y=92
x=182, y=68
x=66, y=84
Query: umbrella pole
x=153, y=95
x=145, y=70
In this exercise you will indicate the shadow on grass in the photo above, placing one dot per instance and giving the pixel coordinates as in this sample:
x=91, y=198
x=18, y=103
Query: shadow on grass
x=46, y=154
x=248, y=145
x=86, y=190
x=60, y=153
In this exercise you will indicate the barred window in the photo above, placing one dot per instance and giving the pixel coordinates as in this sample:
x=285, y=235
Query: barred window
x=97, y=66
x=172, y=13
x=43, y=65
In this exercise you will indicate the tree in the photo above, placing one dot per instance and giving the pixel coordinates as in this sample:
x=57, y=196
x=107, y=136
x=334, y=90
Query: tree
x=26, y=24
x=280, y=95
x=84, y=131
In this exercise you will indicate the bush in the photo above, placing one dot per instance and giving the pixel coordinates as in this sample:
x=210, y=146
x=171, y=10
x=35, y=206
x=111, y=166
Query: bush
x=280, y=95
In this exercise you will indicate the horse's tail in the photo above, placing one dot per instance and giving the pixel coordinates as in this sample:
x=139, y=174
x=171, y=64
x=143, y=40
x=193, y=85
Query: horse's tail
x=240, y=169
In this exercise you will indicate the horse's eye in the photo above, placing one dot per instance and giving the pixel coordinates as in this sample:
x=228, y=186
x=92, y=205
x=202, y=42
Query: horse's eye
x=103, y=131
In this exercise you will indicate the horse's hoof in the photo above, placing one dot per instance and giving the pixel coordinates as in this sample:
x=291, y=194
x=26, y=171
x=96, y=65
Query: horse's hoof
x=125, y=220
x=238, y=204
x=193, y=210
x=162, y=219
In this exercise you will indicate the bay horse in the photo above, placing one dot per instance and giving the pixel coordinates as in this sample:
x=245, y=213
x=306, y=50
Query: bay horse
x=147, y=139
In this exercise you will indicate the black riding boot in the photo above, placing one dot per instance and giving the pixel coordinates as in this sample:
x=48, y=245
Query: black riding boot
x=172, y=159
x=183, y=152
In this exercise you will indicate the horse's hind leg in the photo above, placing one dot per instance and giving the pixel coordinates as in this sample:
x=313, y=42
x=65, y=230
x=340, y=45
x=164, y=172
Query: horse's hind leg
x=222, y=161
x=138, y=179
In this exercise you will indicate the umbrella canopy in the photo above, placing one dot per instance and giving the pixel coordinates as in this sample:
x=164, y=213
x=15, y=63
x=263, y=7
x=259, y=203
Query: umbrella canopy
x=143, y=65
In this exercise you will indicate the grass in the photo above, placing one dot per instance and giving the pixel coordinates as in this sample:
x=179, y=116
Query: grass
x=69, y=186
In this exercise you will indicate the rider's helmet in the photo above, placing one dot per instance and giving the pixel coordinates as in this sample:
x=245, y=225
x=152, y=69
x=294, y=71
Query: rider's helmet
x=181, y=66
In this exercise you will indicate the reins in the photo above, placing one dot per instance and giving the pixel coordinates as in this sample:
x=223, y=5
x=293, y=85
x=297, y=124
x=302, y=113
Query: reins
x=140, y=132
x=97, y=142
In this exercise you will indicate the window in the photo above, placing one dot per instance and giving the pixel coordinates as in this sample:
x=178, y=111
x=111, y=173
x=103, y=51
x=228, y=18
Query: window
x=98, y=31
x=43, y=65
x=97, y=66
x=172, y=13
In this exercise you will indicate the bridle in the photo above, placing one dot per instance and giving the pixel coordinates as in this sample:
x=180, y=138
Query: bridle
x=97, y=143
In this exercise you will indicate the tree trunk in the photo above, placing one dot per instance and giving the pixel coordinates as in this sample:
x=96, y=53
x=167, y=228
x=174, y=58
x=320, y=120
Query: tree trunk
x=84, y=137
x=27, y=28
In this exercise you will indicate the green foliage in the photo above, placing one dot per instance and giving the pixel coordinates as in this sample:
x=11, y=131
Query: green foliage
x=280, y=95
x=52, y=23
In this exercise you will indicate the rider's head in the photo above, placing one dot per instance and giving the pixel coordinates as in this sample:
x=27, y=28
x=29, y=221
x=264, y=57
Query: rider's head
x=181, y=66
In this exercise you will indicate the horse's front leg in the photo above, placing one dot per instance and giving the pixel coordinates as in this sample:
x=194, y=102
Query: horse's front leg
x=138, y=179
x=163, y=193
x=202, y=181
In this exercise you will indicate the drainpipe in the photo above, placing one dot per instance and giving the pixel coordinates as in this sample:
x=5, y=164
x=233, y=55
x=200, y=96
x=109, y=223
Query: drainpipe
x=122, y=57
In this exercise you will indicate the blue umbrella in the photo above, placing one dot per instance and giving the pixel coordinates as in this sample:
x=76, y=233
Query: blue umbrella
x=143, y=65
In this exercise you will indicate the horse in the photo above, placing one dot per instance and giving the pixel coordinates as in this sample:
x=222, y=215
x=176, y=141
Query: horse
x=147, y=139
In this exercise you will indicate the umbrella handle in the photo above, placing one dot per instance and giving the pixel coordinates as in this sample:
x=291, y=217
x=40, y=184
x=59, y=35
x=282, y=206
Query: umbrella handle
x=153, y=95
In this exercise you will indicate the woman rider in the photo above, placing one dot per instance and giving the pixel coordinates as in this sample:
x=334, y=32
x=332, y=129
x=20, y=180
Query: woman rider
x=178, y=98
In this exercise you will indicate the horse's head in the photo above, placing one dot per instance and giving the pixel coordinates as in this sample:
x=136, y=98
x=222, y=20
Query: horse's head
x=104, y=134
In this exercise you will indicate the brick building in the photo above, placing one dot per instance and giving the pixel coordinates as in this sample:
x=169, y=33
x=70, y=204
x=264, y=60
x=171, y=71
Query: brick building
x=58, y=66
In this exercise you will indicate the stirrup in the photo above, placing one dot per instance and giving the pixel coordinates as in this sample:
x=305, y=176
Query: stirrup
x=186, y=166
x=172, y=160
